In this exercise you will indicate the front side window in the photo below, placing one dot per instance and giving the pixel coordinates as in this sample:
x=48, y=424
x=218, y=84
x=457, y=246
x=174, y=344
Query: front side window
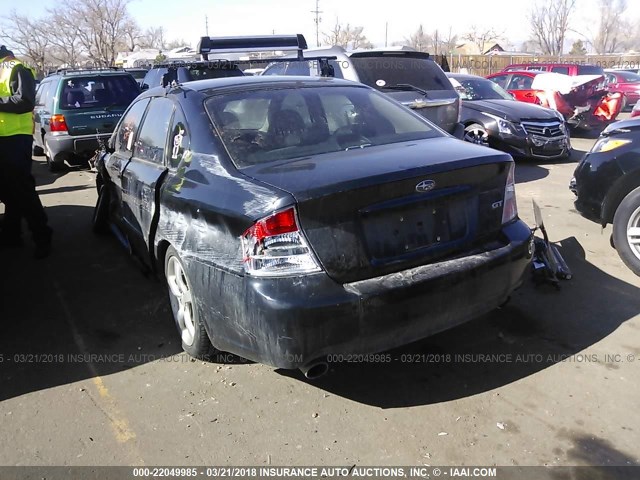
x=284, y=123
x=152, y=138
x=520, y=82
x=500, y=80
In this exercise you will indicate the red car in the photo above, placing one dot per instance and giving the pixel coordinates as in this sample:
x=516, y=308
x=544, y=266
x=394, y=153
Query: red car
x=585, y=104
x=518, y=83
x=627, y=83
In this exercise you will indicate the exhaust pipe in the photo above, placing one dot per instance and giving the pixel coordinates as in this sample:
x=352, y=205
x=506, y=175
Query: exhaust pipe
x=315, y=369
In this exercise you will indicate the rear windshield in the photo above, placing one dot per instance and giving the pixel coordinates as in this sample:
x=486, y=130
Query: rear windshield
x=590, y=70
x=285, y=123
x=378, y=72
x=98, y=92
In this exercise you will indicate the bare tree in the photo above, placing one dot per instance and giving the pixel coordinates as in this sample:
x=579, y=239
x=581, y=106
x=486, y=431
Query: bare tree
x=346, y=36
x=446, y=42
x=132, y=35
x=64, y=35
x=481, y=37
x=153, y=38
x=420, y=40
x=612, y=28
x=549, y=22
x=27, y=38
x=578, y=48
x=102, y=29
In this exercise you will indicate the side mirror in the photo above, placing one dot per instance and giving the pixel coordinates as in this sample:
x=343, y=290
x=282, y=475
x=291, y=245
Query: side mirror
x=144, y=87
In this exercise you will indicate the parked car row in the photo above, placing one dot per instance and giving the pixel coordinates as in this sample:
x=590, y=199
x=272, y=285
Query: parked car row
x=323, y=206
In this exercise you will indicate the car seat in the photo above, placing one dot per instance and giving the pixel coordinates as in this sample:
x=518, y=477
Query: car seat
x=102, y=96
x=286, y=128
x=75, y=97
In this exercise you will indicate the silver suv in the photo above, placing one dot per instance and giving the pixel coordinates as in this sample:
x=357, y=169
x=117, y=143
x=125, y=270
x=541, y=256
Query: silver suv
x=408, y=76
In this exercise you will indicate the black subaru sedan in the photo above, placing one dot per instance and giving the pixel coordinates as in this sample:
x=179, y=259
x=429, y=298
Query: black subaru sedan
x=294, y=218
x=491, y=116
x=607, y=185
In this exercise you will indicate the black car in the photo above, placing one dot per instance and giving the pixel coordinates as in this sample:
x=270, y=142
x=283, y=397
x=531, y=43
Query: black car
x=491, y=116
x=607, y=185
x=294, y=218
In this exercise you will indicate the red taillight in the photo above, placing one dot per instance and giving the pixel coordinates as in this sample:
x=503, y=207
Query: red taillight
x=635, y=113
x=275, y=246
x=281, y=222
x=58, y=123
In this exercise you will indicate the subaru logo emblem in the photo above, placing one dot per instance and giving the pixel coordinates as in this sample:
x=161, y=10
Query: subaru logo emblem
x=425, y=186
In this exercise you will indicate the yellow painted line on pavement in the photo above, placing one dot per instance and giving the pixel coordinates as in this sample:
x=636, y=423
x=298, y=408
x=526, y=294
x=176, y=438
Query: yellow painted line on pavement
x=119, y=424
x=105, y=402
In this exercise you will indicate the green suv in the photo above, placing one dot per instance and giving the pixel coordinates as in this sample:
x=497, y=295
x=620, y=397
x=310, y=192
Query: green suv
x=76, y=110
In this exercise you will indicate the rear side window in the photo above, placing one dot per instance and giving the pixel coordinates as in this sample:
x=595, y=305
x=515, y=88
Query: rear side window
x=590, y=70
x=98, y=92
x=563, y=70
x=152, y=138
x=179, y=138
x=128, y=127
x=381, y=71
x=45, y=93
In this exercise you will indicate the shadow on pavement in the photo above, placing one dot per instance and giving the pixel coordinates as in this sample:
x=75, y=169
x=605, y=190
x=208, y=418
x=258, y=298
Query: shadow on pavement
x=85, y=311
x=539, y=328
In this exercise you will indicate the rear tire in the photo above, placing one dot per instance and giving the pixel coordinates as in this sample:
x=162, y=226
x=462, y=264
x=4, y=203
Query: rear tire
x=51, y=164
x=37, y=151
x=195, y=340
x=626, y=231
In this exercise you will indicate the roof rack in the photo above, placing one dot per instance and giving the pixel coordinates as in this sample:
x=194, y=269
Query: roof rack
x=86, y=70
x=263, y=43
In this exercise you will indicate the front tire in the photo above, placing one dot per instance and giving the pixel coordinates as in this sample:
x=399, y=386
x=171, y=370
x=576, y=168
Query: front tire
x=476, y=133
x=626, y=231
x=195, y=340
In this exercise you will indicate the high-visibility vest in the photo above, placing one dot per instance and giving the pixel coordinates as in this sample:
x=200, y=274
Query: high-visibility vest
x=13, y=123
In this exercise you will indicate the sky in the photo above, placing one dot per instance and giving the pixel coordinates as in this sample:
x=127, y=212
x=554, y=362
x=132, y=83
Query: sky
x=185, y=19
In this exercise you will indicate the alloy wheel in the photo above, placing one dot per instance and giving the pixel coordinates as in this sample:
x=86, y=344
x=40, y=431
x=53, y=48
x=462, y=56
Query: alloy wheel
x=633, y=232
x=181, y=292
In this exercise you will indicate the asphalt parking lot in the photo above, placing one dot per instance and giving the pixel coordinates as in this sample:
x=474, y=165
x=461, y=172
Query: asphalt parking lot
x=92, y=371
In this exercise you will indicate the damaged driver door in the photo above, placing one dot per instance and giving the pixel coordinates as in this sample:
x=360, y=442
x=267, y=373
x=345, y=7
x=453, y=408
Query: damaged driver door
x=142, y=175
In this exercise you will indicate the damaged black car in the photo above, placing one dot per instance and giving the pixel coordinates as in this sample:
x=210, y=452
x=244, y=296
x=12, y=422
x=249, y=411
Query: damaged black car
x=296, y=217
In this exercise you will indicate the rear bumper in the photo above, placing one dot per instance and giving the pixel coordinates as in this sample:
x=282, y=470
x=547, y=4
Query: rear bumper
x=65, y=145
x=289, y=322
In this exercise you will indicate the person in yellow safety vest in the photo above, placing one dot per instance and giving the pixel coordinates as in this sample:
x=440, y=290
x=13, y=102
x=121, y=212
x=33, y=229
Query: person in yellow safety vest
x=17, y=185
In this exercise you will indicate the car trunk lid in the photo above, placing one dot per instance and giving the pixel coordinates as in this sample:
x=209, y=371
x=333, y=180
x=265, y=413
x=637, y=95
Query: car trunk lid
x=378, y=210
